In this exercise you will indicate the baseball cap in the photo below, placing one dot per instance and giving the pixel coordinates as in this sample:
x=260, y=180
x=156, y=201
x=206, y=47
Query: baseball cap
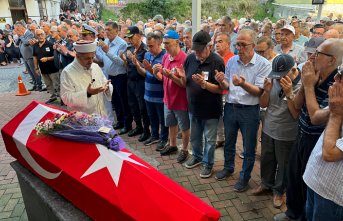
x=172, y=35
x=312, y=44
x=200, y=40
x=289, y=28
x=86, y=29
x=132, y=30
x=281, y=65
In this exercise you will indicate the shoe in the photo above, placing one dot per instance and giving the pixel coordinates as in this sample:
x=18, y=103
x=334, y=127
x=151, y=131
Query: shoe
x=51, y=99
x=259, y=190
x=43, y=89
x=220, y=144
x=168, y=150
x=144, y=136
x=241, y=155
x=161, y=145
x=193, y=162
x=39, y=89
x=182, y=156
x=206, y=172
x=241, y=186
x=223, y=174
x=124, y=130
x=135, y=132
x=33, y=89
x=118, y=126
x=282, y=217
x=62, y=103
x=277, y=201
x=151, y=140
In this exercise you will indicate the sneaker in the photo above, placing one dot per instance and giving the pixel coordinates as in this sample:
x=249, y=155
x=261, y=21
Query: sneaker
x=182, y=156
x=161, y=145
x=277, y=201
x=241, y=155
x=221, y=175
x=144, y=136
x=206, y=172
x=151, y=140
x=241, y=186
x=193, y=162
x=259, y=190
x=168, y=150
x=282, y=217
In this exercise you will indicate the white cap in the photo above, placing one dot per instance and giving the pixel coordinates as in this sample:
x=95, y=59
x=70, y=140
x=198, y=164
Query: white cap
x=289, y=28
x=83, y=46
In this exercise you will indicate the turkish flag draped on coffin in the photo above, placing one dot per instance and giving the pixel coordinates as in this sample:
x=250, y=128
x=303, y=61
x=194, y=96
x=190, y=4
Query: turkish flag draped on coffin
x=104, y=184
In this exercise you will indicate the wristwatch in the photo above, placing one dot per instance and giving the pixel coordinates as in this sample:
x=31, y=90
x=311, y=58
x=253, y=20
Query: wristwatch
x=204, y=85
x=290, y=97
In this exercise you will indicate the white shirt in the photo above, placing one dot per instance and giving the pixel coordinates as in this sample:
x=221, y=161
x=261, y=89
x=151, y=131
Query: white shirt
x=325, y=178
x=74, y=82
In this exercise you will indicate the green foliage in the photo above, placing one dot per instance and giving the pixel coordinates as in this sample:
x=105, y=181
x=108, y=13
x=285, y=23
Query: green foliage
x=182, y=9
x=108, y=14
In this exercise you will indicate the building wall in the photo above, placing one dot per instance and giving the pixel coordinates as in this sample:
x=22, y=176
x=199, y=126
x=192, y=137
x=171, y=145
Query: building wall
x=5, y=13
x=32, y=9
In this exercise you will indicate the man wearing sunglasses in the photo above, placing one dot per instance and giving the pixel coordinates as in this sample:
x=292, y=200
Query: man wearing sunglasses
x=311, y=100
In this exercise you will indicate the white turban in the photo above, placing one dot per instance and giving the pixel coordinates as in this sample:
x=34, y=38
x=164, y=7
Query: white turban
x=85, y=46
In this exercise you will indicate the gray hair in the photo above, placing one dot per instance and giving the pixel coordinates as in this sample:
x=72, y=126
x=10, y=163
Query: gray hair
x=249, y=32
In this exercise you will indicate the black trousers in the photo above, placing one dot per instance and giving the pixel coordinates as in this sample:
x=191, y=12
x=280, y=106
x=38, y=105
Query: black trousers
x=296, y=187
x=135, y=92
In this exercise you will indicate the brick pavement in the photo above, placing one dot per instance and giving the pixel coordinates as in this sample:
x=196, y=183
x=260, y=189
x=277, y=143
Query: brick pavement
x=231, y=205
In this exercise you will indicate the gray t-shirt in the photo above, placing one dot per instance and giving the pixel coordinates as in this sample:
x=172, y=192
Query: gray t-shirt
x=278, y=122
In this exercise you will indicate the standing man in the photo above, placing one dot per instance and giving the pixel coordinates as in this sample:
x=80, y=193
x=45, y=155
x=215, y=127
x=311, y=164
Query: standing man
x=26, y=50
x=114, y=69
x=225, y=24
x=244, y=79
x=312, y=99
x=204, y=101
x=43, y=59
x=83, y=85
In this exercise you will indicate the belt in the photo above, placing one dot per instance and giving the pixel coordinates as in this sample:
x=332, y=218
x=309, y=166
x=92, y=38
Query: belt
x=239, y=105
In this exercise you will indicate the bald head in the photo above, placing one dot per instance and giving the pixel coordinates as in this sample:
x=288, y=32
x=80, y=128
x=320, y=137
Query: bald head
x=332, y=33
x=334, y=47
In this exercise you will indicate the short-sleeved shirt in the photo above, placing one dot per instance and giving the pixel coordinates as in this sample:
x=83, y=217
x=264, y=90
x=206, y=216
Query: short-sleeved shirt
x=175, y=97
x=153, y=86
x=278, y=121
x=325, y=178
x=202, y=103
x=322, y=98
x=254, y=72
x=46, y=50
x=296, y=51
x=132, y=70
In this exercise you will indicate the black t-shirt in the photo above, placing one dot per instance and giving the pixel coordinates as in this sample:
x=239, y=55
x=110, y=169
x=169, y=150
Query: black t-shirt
x=201, y=102
x=132, y=70
x=46, y=50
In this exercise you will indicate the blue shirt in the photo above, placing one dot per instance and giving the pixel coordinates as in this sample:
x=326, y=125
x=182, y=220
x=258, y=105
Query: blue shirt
x=153, y=87
x=254, y=72
x=113, y=64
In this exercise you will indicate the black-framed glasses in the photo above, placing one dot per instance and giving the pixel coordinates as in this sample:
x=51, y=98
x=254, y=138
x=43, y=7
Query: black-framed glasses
x=261, y=52
x=319, y=52
x=239, y=45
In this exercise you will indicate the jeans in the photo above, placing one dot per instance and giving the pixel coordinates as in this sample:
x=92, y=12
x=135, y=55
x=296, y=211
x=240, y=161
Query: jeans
x=321, y=209
x=119, y=100
x=206, y=129
x=296, y=187
x=156, y=115
x=245, y=119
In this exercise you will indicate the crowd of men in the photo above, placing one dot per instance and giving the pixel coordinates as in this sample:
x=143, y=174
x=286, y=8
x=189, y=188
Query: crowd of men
x=163, y=81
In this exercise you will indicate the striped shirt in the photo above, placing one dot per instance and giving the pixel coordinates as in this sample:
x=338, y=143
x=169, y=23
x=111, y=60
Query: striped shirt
x=153, y=87
x=322, y=98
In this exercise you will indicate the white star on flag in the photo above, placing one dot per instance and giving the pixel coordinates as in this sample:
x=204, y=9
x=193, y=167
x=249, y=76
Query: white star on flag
x=112, y=160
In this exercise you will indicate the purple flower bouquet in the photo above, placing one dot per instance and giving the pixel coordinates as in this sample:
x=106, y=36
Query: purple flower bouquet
x=81, y=127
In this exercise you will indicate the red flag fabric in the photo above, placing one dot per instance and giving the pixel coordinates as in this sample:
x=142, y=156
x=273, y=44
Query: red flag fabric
x=104, y=184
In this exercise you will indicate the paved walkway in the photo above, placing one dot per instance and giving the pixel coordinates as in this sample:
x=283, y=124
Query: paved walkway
x=219, y=194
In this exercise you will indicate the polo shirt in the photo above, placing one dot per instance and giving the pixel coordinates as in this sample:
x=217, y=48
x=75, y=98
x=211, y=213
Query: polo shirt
x=46, y=50
x=175, y=97
x=201, y=102
x=133, y=74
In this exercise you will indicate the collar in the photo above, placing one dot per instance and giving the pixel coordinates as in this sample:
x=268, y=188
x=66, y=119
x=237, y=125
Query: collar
x=252, y=61
x=177, y=57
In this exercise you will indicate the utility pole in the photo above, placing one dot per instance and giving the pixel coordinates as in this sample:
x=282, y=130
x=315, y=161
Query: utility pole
x=196, y=15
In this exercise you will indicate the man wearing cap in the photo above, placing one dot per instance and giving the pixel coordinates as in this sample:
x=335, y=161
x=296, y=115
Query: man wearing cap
x=133, y=58
x=298, y=37
x=287, y=45
x=311, y=100
x=114, y=69
x=88, y=33
x=244, y=78
x=204, y=101
x=280, y=126
x=174, y=98
x=83, y=85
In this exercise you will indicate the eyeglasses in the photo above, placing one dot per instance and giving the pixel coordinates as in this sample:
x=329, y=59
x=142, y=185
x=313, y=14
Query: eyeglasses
x=239, y=45
x=319, y=52
x=261, y=52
